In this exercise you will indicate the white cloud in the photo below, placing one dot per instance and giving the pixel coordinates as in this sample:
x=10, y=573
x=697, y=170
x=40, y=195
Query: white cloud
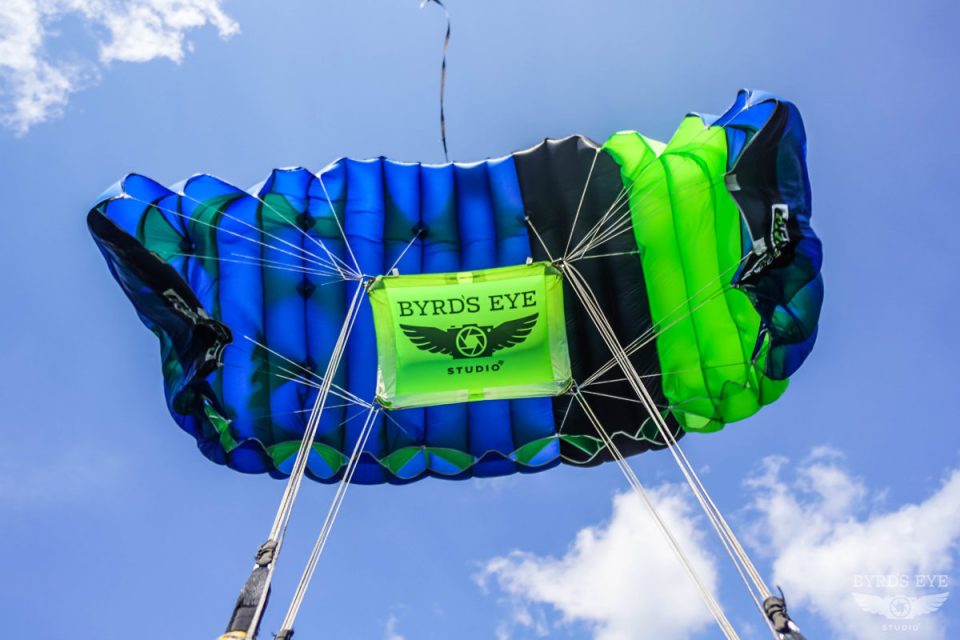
x=615, y=578
x=825, y=533
x=36, y=84
x=390, y=630
x=833, y=541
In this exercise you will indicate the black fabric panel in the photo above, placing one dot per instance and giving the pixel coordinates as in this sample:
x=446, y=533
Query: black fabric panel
x=756, y=174
x=160, y=295
x=761, y=173
x=552, y=177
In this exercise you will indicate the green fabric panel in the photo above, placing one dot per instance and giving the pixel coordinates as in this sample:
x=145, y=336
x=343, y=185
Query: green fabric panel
x=460, y=459
x=283, y=450
x=333, y=457
x=222, y=425
x=156, y=234
x=654, y=229
x=687, y=229
x=592, y=446
x=399, y=458
x=473, y=335
x=527, y=452
x=286, y=450
x=587, y=444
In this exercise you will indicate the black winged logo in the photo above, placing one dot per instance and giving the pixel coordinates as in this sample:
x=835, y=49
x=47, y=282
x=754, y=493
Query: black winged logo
x=471, y=340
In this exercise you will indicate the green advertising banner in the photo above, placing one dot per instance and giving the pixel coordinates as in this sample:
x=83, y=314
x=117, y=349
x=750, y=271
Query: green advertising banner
x=444, y=338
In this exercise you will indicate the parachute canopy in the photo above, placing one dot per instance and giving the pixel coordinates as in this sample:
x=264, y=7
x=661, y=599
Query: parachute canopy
x=699, y=252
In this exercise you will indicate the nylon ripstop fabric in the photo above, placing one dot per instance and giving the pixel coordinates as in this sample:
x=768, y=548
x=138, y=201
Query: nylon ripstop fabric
x=714, y=281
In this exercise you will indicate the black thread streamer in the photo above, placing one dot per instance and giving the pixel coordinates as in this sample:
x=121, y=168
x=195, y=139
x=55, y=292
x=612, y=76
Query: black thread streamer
x=443, y=74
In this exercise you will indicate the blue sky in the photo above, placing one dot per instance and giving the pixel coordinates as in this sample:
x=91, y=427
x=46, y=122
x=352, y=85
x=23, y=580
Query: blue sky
x=115, y=526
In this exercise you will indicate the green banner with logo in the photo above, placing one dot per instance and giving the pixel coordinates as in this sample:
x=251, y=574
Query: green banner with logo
x=444, y=338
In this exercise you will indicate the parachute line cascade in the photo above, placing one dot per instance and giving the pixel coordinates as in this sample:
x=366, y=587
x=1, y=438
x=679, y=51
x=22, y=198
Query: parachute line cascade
x=403, y=321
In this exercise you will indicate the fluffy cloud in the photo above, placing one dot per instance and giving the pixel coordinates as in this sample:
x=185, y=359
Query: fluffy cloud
x=832, y=541
x=36, y=84
x=825, y=534
x=615, y=578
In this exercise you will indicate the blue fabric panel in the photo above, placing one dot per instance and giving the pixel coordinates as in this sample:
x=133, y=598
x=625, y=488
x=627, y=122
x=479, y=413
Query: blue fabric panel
x=736, y=139
x=283, y=313
x=363, y=218
x=739, y=104
x=404, y=234
x=513, y=240
x=249, y=457
x=213, y=198
x=326, y=306
x=198, y=264
x=445, y=426
x=141, y=192
x=549, y=456
x=167, y=203
x=402, y=216
x=531, y=418
x=294, y=186
x=414, y=467
x=795, y=324
x=478, y=234
x=489, y=421
x=241, y=286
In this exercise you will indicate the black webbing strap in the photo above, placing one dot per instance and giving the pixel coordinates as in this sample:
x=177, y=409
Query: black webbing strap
x=776, y=610
x=253, y=590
